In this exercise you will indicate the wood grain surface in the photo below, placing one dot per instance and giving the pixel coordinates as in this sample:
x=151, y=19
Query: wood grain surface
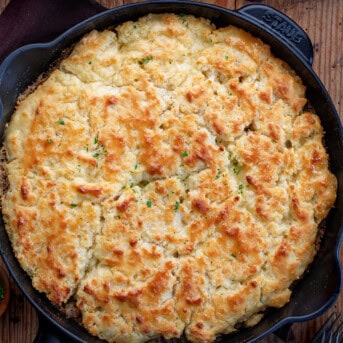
x=322, y=21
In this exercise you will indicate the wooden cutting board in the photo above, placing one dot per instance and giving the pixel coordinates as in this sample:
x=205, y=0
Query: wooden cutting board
x=322, y=20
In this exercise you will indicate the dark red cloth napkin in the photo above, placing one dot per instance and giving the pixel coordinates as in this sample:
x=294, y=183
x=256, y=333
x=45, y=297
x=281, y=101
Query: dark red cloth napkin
x=36, y=21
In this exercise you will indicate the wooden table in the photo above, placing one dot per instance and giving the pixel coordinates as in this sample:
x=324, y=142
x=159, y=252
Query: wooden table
x=322, y=20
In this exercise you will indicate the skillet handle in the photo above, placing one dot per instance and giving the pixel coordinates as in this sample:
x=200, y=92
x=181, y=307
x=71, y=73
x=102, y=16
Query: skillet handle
x=47, y=333
x=280, y=25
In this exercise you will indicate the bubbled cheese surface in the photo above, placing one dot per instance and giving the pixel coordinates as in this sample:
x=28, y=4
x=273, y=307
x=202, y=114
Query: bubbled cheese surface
x=166, y=177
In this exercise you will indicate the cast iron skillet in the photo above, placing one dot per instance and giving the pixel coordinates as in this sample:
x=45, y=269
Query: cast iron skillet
x=320, y=286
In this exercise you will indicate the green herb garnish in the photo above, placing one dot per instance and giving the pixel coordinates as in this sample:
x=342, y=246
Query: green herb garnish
x=73, y=205
x=236, y=170
x=96, y=154
x=240, y=189
x=218, y=174
x=104, y=150
x=145, y=60
x=233, y=255
x=61, y=122
x=96, y=140
x=49, y=140
x=176, y=206
x=184, y=154
x=149, y=203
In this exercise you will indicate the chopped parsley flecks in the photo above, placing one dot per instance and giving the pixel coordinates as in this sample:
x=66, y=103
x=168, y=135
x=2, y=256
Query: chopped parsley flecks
x=60, y=122
x=176, y=206
x=236, y=170
x=104, y=150
x=131, y=185
x=136, y=166
x=145, y=60
x=100, y=149
x=184, y=154
x=233, y=255
x=226, y=57
x=240, y=189
x=149, y=203
x=49, y=140
x=73, y=205
x=230, y=154
x=90, y=62
x=218, y=173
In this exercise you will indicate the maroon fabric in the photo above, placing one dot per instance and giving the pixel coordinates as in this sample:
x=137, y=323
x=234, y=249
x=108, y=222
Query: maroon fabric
x=36, y=21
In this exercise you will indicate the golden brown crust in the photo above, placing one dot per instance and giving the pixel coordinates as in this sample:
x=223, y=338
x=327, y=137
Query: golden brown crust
x=166, y=177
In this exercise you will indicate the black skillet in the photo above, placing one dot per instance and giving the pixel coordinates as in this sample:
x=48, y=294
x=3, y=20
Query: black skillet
x=319, y=288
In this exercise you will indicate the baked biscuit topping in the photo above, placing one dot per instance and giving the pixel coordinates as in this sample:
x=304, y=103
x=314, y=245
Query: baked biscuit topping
x=166, y=177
